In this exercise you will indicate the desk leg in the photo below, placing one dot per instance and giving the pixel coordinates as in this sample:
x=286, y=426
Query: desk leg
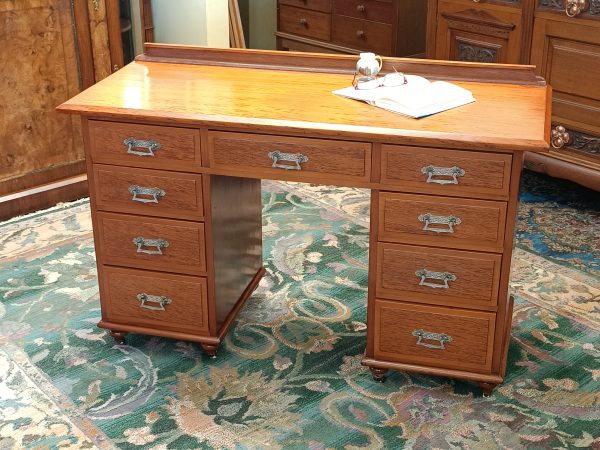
x=378, y=374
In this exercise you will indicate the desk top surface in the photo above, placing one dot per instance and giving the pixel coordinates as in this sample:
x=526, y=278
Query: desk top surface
x=504, y=116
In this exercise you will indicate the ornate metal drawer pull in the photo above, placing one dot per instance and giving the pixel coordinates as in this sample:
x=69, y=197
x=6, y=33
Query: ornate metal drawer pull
x=150, y=146
x=140, y=242
x=155, y=193
x=297, y=158
x=161, y=300
x=559, y=136
x=442, y=276
x=432, y=171
x=575, y=7
x=429, y=219
x=422, y=334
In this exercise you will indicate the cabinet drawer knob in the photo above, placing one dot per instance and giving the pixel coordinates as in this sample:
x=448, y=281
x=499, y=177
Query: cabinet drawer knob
x=443, y=277
x=133, y=143
x=422, y=335
x=575, y=7
x=360, y=34
x=296, y=158
x=361, y=8
x=141, y=242
x=432, y=171
x=153, y=192
x=429, y=219
x=304, y=22
x=559, y=136
x=160, y=300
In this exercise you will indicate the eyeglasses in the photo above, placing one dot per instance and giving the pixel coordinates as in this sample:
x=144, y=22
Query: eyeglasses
x=388, y=80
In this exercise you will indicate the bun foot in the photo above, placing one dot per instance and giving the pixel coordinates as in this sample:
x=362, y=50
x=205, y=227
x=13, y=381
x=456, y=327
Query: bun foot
x=378, y=374
x=486, y=388
x=118, y=336
x=210, y=350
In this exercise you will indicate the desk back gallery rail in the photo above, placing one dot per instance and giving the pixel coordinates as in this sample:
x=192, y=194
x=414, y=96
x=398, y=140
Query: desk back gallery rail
x=196, y=129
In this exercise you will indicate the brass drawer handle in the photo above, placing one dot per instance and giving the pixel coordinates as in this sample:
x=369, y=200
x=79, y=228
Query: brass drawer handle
x=297, y=158
x=559, y=137
x=155, y=193
x=444, y=277
x=575, y=7
x=161, y=300
x=429, y=219
x=141, y=242
x=133, y=143
x=441, y=337
x=432, y=171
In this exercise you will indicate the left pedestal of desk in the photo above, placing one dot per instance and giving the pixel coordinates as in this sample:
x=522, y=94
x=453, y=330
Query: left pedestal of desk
x=160, y=225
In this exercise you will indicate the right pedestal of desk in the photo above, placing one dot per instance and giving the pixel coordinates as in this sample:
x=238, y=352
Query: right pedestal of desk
x=442, y=228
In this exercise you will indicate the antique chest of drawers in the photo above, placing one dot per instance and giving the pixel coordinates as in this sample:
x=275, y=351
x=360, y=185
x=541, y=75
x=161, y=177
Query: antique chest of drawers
x=562, y=39
x=386, y=27
x=176, y=207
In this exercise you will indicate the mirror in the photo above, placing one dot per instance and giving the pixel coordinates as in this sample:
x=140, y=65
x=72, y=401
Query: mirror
x=196, y=22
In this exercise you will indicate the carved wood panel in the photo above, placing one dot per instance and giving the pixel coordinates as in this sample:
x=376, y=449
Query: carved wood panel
x=40, y=71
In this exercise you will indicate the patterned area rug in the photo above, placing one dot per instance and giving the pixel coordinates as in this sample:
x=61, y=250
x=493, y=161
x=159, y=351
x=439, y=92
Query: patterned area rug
x=288, y=375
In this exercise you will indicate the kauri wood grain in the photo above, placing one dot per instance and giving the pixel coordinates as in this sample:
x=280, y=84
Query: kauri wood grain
x=279, y=101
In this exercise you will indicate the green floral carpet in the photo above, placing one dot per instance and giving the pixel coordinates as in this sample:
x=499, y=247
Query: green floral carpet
x=288, y=375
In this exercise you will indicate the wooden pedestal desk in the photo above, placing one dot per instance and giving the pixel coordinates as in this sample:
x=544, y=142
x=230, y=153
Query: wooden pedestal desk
x=176, y=145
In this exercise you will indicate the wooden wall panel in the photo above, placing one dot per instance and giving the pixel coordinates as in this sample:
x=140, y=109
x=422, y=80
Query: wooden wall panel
x=40, y=72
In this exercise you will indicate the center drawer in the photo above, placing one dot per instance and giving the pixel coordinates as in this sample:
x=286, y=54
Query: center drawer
x=268, y=156
x=434, y=336
x=149, y=243
x=154, y=300
x=442, y=221
x=434, y=275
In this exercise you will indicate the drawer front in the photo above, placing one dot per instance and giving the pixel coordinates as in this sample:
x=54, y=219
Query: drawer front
x=446, y=172
x=149, y=146
x=148, y=192
x=442, y=221
x=434, y=336
x=316, y=5
x=379, y=11
x=147, y=243
x=363, y=34
x=154, y=300
x=304, y=22
x=450, y=277
x=318, y=158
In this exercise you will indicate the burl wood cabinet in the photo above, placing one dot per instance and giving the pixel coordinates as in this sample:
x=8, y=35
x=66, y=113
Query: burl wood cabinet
x=562, y=39
x=51, y=50
x=386, y=27
x=176, y=145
